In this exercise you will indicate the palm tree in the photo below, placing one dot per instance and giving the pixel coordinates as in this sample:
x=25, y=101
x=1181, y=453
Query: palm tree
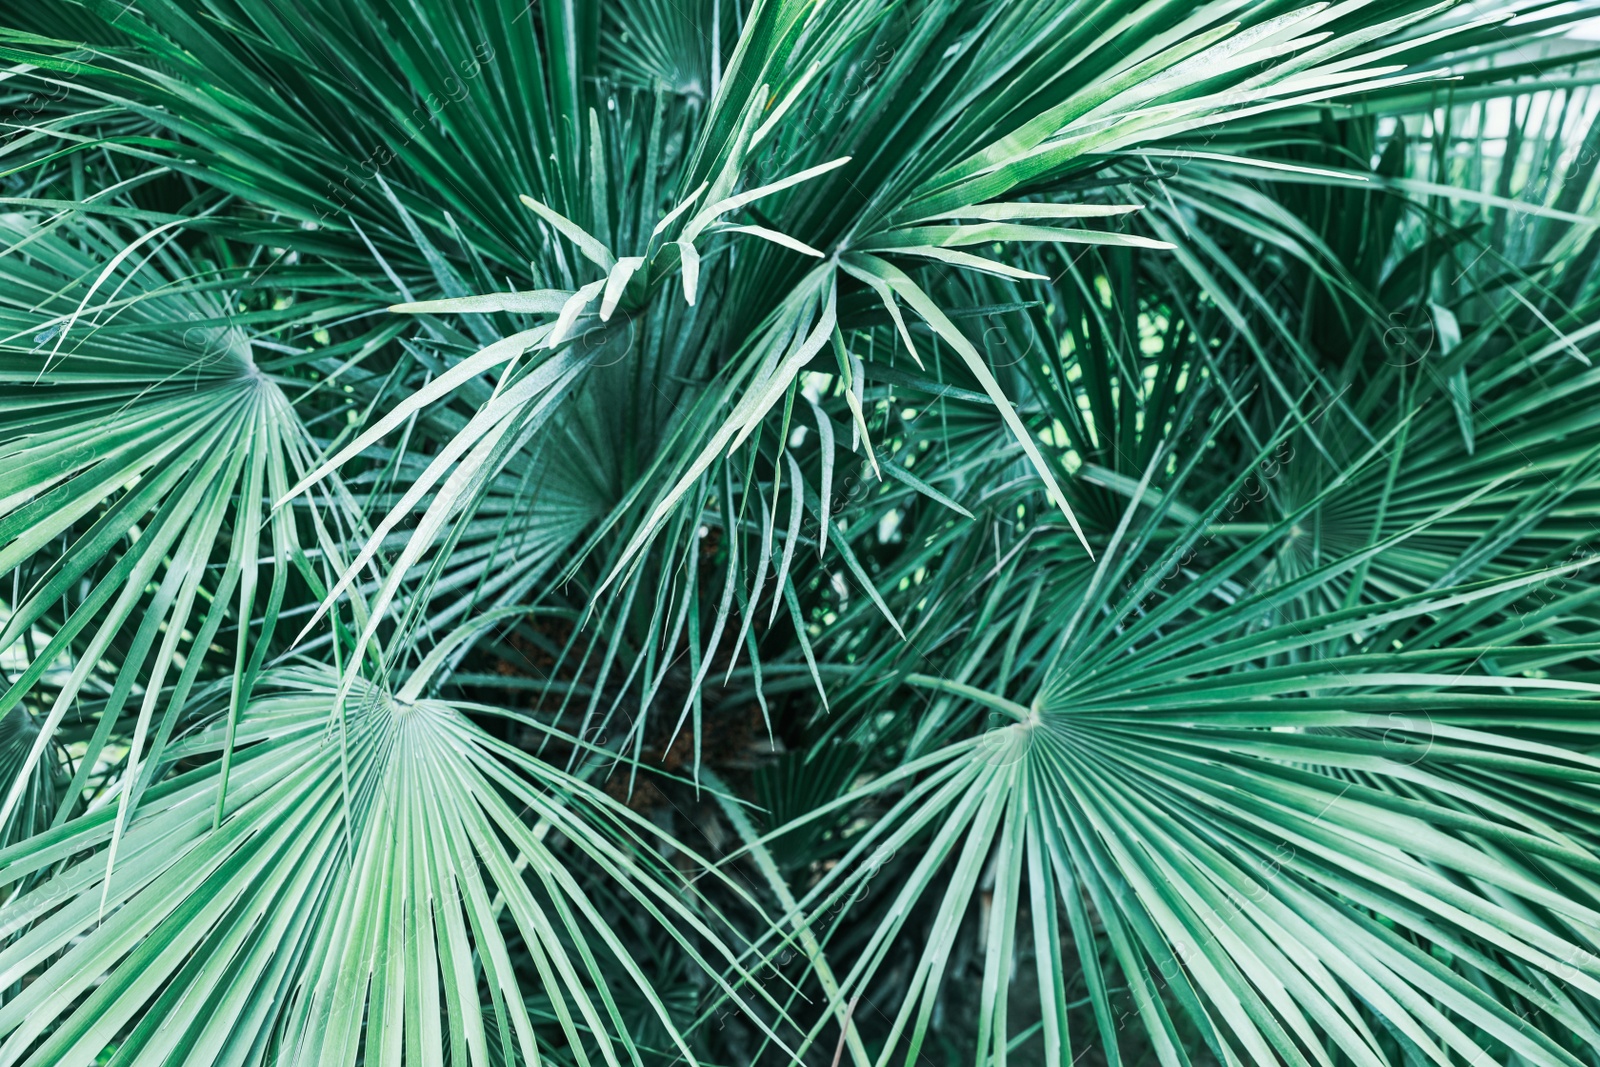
x=799, y=531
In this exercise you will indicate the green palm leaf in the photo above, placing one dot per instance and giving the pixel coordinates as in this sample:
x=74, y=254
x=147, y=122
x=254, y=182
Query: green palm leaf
x=371, y=855
x=798, y=531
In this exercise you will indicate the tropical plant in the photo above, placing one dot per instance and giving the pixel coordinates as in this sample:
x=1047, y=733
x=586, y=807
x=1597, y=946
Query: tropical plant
x=799, y=531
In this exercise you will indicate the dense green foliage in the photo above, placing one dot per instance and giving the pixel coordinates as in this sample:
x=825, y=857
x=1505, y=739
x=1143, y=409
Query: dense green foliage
x=799, y=531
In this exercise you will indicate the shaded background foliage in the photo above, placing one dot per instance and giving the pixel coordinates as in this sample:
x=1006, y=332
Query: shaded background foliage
x=844, y=531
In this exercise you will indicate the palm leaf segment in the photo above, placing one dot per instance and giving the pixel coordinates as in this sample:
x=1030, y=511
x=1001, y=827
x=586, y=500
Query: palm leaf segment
x=369, y=864
x=1391, y=869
